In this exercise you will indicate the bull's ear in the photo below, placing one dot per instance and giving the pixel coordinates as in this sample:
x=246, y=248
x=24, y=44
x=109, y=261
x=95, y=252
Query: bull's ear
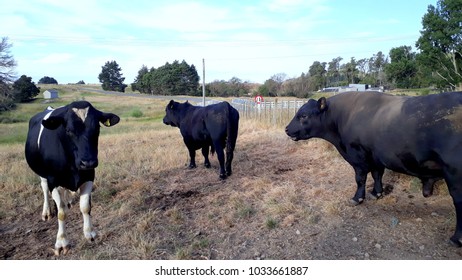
x=322, y=104
x=53, y=122
x=109, y=119
x=170, y=104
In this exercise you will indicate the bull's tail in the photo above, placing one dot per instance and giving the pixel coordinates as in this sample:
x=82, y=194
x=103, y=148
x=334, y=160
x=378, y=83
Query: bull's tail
x=232, y=129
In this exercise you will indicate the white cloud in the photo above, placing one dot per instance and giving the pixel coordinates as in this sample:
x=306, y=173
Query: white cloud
x=54, y=58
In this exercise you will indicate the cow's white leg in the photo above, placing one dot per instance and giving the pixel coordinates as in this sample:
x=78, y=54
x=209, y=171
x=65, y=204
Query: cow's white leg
x=85, y=208
x=46, y=212
x=61, y=239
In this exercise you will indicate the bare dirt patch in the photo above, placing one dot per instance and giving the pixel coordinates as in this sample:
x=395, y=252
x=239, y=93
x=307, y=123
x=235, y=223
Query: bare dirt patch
x=285, y=200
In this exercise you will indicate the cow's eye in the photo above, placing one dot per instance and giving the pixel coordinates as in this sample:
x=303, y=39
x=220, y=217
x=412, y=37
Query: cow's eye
x=303, y=116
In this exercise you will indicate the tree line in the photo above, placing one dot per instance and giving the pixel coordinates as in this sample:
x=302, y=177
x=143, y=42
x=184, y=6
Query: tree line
x=170, y=79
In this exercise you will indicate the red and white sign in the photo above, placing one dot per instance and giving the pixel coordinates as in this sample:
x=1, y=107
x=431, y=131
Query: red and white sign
x=258, y=99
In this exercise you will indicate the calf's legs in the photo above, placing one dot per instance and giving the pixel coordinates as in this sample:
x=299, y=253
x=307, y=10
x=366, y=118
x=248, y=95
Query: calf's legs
x=46, y=212
x=62, y=243
x=58, y=194
x=85, y=208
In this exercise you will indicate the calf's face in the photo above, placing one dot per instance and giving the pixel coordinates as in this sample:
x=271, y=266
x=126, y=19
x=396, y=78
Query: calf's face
x=307, y=121
x=79, y=125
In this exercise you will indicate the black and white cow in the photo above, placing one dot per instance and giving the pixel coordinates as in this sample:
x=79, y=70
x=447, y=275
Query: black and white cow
x=214, y=126
x=419, y=136
x=62, y=148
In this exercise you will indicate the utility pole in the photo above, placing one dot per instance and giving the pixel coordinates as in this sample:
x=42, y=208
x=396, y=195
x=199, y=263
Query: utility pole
x=203, y=82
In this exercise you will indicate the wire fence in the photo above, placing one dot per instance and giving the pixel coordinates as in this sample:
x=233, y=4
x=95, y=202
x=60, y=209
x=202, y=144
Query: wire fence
x=276, y=112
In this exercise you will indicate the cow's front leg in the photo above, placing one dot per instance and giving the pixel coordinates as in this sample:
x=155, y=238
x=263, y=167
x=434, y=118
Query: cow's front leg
x=205, y=153
x=360, y=176
x=427, y=186
x=85, y=208
x=456, y=239
x=377, y=175
x=62, y=243
x=46, y=211
x=192, y=158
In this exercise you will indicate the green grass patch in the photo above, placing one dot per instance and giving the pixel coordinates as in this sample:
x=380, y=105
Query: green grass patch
x=136, y=113
x=13, y=133
x=271, y=223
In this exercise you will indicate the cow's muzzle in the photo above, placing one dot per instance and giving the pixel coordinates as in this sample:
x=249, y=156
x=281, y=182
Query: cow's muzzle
x=295, y=138
x=88, y=164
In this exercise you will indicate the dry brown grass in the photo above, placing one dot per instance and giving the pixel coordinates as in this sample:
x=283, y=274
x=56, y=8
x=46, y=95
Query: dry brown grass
x=285, y=200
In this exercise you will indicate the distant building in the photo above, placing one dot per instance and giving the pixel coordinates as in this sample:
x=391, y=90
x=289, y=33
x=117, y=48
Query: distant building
x=358, y=87
x=50, y=94
x=352, y=87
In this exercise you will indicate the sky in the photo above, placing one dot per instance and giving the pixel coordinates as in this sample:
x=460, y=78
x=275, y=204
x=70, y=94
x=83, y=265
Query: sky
x=250, y=40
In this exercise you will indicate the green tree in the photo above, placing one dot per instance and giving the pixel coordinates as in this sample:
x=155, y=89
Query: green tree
x=377, y=65
x=317, y=74
x=47, y=80
x=440, y=42
x=350, y=71
x=402, y=68
x=333, y=72
x=111, y=77
x=138, y=84
x=6, y=97
x=269, y=88
x=170, y=79
x=24, y=89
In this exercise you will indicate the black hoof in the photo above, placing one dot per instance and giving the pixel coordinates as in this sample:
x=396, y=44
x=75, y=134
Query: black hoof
x=207, y=165
x=192, y=166
x=375, y=196
x=223, y=176
x=355, y=202
x=455, y=242
x=228, y=173
x=427, y=193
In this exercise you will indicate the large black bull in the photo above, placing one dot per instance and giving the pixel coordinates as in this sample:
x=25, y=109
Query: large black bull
x=213, y=127
x=419, y=136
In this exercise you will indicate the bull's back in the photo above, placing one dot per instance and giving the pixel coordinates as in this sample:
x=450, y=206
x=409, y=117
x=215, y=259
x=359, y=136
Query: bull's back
x=219, y=116
x=413, y=135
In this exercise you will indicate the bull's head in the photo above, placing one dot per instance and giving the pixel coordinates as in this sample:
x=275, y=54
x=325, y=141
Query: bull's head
x=78, y=125
x=172, y=114
x=307, y=121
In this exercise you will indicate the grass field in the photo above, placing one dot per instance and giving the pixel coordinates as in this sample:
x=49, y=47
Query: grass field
x=285, y=199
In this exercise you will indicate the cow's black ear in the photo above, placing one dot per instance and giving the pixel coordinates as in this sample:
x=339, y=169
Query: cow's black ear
x=170, y=104
x=53, y=122
x=322, y=104
x=109, y=119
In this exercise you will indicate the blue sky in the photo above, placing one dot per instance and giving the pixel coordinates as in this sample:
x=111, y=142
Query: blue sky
x=251, y=40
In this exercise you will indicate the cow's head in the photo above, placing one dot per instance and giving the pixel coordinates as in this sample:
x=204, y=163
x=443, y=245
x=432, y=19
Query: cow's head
x=307, y=123
x=172, y=114
x=78, y=124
